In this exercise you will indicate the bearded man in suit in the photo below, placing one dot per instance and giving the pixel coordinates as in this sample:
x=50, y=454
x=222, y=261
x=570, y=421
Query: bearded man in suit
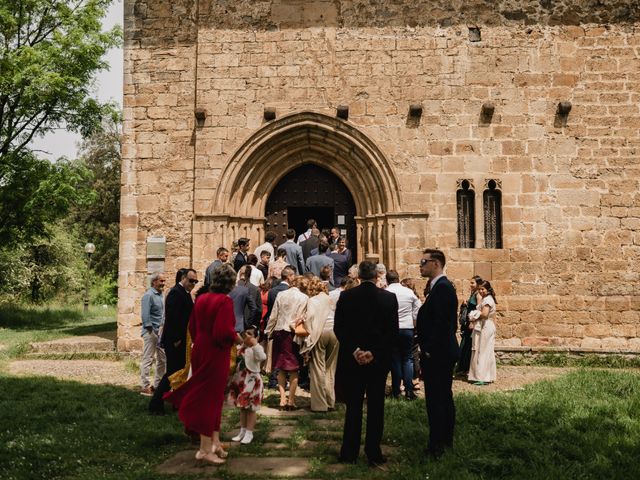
x=436, y=324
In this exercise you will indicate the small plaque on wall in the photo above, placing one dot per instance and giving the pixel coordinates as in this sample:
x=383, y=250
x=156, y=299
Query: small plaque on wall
x=156, y=248
x=341, y=220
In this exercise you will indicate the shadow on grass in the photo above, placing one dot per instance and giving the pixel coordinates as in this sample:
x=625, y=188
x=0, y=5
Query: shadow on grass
x=104, y=330
x=56, y=429
x=22, y=318
x=583, y=425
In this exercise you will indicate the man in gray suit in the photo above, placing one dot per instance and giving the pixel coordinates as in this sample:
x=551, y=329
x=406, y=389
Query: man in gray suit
x=294, y=252
x=316, y=263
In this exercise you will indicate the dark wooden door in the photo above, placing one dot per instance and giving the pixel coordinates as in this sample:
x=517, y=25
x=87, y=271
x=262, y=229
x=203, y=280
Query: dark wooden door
x=311, y=191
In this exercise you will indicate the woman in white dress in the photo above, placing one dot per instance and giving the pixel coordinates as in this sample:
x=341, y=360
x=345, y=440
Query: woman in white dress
x=482, y=369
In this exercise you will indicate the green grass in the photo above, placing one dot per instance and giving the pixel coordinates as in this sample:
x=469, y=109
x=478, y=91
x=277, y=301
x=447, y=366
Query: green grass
x=585, y=425
x=20, y=325
x=573, y=360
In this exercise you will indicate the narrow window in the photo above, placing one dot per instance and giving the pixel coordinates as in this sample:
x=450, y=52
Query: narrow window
x=466, y=216
x=492, y=215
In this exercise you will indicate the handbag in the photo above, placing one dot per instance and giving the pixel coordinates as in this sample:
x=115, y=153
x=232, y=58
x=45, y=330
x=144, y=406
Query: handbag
x=301, y=330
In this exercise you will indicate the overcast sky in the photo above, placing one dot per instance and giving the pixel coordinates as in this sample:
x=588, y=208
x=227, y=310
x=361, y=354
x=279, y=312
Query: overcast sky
x=108, y=87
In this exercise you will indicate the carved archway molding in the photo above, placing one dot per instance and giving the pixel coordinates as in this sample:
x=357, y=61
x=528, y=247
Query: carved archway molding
x=281, y=146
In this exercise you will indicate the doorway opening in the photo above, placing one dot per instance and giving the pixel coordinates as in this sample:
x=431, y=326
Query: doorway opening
x=311, y=191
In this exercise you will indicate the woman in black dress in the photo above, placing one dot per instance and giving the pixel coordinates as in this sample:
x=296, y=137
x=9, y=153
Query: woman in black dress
x=465, y=332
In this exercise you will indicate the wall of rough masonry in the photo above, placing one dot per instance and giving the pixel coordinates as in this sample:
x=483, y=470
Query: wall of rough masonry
x=567, y=273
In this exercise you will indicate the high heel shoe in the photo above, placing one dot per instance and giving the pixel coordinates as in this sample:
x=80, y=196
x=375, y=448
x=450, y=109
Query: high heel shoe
x=220, y=452
x=208, y=458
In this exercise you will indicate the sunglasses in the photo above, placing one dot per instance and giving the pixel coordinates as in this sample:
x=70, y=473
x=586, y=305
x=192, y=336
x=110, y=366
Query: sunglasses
x=193, y=282
x=424, y=261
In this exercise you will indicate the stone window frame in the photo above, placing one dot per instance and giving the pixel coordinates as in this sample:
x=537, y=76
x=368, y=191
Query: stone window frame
x=492, y=209
x=465, y=213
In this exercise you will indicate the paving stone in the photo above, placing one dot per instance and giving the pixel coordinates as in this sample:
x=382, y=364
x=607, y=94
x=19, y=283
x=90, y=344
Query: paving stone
x=185, y=463
x=276, y=466
x=282, y=433
x=274, y=412
x=328, y=423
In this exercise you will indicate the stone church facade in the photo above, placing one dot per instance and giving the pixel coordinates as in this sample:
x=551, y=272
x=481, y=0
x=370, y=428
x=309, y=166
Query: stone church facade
x=506, y=133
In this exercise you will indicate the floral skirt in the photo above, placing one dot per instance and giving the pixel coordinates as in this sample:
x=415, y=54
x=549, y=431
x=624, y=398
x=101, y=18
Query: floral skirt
x=246, y=390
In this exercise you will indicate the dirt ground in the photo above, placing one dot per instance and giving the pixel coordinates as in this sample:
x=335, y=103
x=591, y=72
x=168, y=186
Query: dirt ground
x=116, y=373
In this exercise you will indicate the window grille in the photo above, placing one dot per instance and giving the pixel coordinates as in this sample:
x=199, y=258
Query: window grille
x=466, y=215
x=492, y=215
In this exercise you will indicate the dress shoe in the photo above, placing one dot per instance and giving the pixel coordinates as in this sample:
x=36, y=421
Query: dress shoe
x=378, y=462
x=411, y=396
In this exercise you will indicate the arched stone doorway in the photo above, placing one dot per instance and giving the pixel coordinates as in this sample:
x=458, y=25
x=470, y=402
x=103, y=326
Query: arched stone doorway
x=383, y=231
x=311, y=191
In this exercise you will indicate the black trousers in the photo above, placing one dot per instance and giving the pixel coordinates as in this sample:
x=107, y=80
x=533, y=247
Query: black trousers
x=438, y=379
x=176, y=359
x=465, y=352
x=358, y=381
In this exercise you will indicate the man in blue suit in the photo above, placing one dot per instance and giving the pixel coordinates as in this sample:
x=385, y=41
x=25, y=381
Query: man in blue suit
x=294, y=252
x=436, y=324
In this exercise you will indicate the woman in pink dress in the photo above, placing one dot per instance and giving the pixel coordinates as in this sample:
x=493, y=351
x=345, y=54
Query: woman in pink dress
x=199, y=400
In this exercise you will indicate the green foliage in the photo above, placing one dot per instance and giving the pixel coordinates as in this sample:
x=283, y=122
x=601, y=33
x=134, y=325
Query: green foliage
x=47, y=268
x=50, y=52
x=100, y=219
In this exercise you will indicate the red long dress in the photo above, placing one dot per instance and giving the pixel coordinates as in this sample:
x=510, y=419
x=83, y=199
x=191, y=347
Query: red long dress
x=212, y=329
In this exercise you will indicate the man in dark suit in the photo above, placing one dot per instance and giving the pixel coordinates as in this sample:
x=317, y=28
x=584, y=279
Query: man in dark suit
x=366, y=324
x=436, y=324
x=178, y=306
x=310, y=243
x=242, y=255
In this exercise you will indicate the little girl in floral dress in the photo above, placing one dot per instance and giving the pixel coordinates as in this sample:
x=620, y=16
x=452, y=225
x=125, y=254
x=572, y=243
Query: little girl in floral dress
x=246, y=387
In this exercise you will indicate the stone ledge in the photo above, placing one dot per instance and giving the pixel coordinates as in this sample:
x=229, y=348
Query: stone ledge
x=574, y=350
x=87, y=344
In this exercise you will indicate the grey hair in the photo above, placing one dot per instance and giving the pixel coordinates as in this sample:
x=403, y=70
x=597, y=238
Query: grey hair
x=380, y=268
x=155, y=276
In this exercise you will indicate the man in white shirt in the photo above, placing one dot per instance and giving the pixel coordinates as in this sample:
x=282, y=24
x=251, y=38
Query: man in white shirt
x=402, y=361
x=311, y=224
x=269, y=238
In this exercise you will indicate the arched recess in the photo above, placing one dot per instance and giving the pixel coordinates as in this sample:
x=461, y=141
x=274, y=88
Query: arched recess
x=300, y=138
x=253, y=171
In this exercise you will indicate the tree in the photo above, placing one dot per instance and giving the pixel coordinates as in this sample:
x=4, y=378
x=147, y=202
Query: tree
x=100, y=220
x=50, y=52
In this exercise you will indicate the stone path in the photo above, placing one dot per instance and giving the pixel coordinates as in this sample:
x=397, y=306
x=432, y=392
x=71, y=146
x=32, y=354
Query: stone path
x=86, y=371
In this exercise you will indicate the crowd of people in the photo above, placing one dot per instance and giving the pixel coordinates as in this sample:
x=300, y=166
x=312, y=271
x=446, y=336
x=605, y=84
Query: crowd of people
x=303, y=315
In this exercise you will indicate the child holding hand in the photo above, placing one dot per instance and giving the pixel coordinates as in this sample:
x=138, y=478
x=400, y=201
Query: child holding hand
x=246, y=389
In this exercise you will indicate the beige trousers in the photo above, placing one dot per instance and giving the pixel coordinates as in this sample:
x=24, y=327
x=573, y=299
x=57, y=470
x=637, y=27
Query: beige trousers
x=322, y=372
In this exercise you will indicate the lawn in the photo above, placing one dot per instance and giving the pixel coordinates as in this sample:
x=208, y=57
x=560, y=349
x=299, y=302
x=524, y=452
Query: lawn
x=20, y=325
x=584, y=425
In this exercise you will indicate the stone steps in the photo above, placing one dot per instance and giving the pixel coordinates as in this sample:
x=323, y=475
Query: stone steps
x=74, y=345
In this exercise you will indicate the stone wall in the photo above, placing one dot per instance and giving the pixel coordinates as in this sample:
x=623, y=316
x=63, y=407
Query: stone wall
x=567, y=274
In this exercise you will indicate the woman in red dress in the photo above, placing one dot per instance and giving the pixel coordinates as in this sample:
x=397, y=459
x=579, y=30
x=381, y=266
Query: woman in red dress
x=200, y=399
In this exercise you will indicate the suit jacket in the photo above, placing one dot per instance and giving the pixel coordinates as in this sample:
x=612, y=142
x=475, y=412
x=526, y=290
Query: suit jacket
x=239, y=261
x=271, y=298
x=308, y=245
x=254, y=319
x=294, y=255
x=208, y=275
x=178, y=307
x=367, y=318
x=437, y=322
x=317, y=262
x=241, y=299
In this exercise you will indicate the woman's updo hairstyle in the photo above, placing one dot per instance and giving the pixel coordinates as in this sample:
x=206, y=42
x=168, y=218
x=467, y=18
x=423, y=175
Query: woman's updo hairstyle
x=223, y=279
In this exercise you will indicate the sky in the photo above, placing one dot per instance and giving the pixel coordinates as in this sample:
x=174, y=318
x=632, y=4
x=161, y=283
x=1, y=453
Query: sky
x=108, y=86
